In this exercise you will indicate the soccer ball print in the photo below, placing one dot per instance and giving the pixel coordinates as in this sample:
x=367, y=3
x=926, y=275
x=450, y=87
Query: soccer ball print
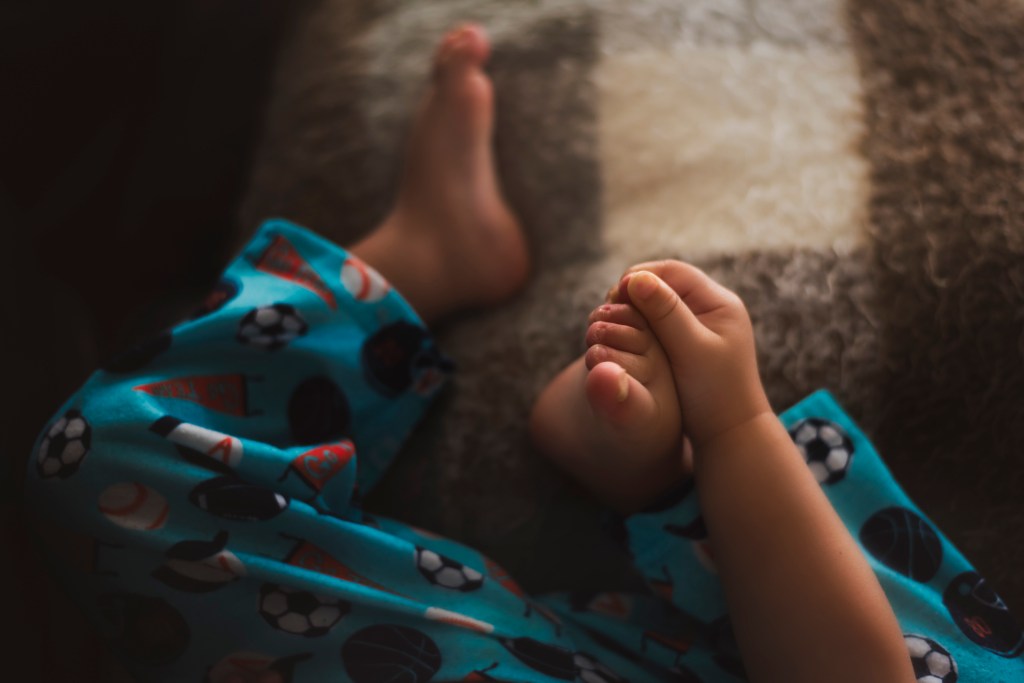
x=64, y=447
x=271, y=327
x=447, y=573
x=300, y=612
x=825, y=447
x=932, y=662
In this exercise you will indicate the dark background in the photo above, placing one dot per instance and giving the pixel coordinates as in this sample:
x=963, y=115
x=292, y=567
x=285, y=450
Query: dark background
x=126, y=130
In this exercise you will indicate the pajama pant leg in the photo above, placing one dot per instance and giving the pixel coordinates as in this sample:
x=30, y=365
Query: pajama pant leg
x=200, y=494
x=955, y=626
x=200, y=500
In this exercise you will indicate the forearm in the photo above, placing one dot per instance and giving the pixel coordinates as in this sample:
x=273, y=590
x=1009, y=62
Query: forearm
x=805, y=605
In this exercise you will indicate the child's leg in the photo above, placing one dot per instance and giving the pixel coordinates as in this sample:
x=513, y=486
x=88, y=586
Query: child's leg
x=451, y=241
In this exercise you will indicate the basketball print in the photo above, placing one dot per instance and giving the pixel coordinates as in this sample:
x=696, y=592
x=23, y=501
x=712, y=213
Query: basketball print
x=402, y=356
x=901, y=540
x=134, y=506
x=318, y=411
x=389, y=652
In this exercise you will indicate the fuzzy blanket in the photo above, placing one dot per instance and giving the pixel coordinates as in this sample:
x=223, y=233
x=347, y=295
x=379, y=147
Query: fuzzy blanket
x=852, y=170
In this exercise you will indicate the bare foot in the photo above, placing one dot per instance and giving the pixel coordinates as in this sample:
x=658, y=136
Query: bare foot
x=611, y=418
x=451, y=241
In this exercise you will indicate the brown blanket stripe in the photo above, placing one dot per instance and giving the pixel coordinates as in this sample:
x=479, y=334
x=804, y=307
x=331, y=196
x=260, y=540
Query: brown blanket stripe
x=944, y=88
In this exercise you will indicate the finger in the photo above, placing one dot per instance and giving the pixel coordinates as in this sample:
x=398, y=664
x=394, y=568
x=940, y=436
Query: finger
x=697, y=289
x=620, y=314
x=639, y=367
x=619, y=337
x=671, y=320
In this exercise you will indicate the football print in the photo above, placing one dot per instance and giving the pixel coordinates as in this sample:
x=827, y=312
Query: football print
x=231, y=498
x=550, y=660
x=200, y=566
x=825, y=447
x=982, y=615
x=300, y=612
x=64, y=447
x=447, y=573
x=932, y=662
x=271, y=327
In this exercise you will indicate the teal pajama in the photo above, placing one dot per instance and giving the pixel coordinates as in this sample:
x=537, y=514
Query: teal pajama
x=205, y=492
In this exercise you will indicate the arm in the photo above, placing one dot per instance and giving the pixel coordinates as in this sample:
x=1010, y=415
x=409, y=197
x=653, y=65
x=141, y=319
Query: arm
x=804, y=603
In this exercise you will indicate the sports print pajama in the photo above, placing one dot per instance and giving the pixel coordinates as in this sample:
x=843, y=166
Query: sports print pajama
x=201, y=499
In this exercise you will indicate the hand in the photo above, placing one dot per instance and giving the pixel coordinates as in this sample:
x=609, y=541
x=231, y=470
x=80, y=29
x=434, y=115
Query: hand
x=706, y=333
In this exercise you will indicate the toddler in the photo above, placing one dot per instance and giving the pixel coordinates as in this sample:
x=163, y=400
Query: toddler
x=200, y=494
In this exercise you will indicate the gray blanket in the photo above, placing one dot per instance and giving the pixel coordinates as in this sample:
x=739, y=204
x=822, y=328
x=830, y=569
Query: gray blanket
x=852, y=170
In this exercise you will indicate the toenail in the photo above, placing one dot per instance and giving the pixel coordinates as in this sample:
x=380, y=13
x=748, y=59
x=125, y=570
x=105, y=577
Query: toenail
x=623, y=389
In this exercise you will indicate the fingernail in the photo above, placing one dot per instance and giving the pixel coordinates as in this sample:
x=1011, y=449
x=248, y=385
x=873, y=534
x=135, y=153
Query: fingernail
x=642, y=285
x=623, y=391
